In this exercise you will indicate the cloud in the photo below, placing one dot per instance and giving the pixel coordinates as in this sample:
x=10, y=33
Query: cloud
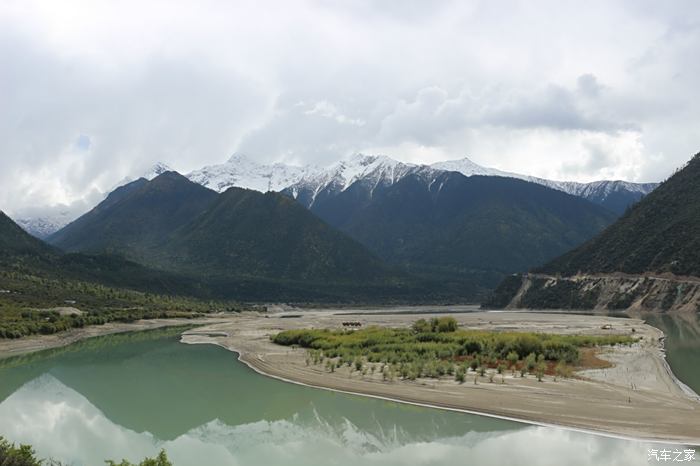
x=588, y=85
x=94, y=91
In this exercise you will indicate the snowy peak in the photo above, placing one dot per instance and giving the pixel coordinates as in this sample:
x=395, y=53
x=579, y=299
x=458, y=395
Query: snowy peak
x=240, y=171
x=373, y=168
x=597, y=191
x=43, y=227
x=157, y=169
x=306, y=183
x=42, y=222
x=468, y=168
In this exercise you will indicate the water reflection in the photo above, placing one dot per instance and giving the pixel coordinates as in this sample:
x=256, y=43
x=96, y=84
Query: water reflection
x=63, y=424
x=161, y=386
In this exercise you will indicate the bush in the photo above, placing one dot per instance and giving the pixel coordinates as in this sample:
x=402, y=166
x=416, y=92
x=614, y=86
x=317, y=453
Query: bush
x=10, y=455
x=414, y=353
x=160, y=460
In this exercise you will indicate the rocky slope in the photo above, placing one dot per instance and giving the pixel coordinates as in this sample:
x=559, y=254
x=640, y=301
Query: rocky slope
x=649, y=259
x=605, y=292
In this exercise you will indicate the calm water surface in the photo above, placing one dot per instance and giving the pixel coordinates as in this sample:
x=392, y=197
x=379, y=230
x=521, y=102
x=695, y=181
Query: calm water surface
x=130, y=395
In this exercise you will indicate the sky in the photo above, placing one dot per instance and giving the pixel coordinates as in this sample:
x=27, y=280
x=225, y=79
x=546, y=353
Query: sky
x=93, y=91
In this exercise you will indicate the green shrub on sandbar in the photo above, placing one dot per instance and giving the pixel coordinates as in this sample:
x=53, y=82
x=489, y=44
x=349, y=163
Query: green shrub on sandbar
x=423, y=342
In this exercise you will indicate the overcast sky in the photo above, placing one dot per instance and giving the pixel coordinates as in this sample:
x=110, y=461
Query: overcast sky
x=94, y=91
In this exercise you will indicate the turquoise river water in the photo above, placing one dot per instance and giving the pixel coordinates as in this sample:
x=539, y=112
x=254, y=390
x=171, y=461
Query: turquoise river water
x=128, y=396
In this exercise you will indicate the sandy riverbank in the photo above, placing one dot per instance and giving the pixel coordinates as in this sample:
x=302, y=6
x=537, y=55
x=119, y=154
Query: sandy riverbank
x=636, y=398
x=10, y=348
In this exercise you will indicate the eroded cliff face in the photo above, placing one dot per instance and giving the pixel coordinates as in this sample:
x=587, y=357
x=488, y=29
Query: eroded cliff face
x=600, y=292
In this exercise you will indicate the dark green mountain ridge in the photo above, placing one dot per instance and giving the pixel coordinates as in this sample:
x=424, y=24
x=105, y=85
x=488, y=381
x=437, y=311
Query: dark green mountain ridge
x=471, y=229
x=649, y=260
x=661, y=233
x=240, y=243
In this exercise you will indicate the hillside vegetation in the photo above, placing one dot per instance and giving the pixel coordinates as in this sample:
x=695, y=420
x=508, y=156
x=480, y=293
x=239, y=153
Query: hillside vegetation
x=245, y=232
x=473, y=230
x=136, y=219
x=242, y=244
x=35, y=279
x=659, y=234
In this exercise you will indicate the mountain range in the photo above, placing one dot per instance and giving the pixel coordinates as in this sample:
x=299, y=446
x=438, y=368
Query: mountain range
x=23, y=255
x=649, y=259
x=474, y=229
x=383, y=225
x=240, y=171
x=240, y=244
x=660, y=234
x=305, y=183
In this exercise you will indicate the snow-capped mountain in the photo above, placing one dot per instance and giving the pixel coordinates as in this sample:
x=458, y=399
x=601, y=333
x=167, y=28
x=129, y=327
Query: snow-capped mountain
x=44, y=225
x=371, y=170
x=614, y=194
x=242, y=172
x=469, y=168
x=307, y=183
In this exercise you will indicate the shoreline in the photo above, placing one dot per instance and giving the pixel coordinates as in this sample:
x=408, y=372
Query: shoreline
x=528, y=422
x=600, y=404
x=688, y=391
x=36, y=343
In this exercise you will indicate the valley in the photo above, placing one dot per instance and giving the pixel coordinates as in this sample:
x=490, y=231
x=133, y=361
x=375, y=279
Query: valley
x=360, y=233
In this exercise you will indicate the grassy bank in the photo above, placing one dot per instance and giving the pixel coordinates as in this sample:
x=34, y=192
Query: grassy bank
x=27, y=302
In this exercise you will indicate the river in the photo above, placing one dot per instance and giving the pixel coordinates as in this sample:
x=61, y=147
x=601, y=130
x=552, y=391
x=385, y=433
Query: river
x=127, y=396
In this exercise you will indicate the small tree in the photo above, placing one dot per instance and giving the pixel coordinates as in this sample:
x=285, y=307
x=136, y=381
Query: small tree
x=561, y=371
x=539, y=371
x=530, y=362
x=460, y=374
x=512, y=359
